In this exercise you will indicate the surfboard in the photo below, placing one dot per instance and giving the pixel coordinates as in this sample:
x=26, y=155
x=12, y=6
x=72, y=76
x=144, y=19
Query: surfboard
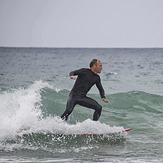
x=109, y=133
x=98, y=134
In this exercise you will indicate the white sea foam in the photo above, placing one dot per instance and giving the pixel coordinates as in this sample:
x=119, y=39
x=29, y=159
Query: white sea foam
x=20, y=109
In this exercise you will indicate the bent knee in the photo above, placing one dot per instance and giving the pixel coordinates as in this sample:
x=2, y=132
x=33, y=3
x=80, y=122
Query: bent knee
x=99, y=109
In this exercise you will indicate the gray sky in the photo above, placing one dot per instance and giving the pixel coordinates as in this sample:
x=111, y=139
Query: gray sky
x=81, y=23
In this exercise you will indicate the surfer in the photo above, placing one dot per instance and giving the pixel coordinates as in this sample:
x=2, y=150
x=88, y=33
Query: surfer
x=85, y=79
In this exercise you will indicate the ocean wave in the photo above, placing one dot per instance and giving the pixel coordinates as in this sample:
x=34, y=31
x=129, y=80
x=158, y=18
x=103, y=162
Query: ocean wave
x=23, y=112
x=36, y=110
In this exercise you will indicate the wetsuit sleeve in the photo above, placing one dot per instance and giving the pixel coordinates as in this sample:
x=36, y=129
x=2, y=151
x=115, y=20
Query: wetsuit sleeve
x=100, y=88
x=77, y=72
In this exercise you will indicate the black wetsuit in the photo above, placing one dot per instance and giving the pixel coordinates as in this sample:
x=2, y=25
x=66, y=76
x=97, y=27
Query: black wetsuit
x=85, y=80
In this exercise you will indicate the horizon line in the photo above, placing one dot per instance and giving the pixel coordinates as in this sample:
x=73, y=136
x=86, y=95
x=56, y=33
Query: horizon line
x=64, y=47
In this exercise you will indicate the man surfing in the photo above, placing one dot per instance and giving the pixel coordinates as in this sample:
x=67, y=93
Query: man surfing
x=86, y=78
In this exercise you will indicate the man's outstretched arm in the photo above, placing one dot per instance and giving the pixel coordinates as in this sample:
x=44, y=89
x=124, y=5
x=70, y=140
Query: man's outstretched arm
x=102, y=92
x=73, y=74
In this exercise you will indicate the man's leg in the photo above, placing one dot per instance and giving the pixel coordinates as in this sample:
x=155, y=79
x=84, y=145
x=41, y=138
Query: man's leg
x=69, y=107
x=91, y=103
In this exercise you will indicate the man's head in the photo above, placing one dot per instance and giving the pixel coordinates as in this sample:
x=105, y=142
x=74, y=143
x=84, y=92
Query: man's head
x=96, y=66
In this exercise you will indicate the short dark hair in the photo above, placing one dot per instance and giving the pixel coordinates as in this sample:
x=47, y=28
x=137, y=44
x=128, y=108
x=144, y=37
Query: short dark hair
x=93, y=62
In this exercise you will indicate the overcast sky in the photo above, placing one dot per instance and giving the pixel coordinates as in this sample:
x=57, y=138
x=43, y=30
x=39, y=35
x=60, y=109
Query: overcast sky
x=81, y=23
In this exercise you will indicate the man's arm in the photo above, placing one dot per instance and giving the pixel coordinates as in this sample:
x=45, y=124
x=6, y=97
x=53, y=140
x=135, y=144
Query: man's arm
x=102, y=92
x=73, y=74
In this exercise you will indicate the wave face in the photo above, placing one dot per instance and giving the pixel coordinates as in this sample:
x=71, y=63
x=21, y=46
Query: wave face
x=30, y=120
x=37, y=109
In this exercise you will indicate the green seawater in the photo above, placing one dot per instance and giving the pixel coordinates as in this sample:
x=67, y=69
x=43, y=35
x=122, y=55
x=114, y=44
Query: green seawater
x=34, y=87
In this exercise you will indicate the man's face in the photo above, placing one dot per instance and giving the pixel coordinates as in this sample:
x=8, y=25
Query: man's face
x=98, y=67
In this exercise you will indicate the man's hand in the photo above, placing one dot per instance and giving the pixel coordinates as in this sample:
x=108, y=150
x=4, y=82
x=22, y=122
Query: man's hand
x=105, y=100
x=73, y=77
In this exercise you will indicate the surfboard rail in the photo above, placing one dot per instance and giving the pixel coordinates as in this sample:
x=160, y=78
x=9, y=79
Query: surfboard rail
x=100, y=134
x=109, y=133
